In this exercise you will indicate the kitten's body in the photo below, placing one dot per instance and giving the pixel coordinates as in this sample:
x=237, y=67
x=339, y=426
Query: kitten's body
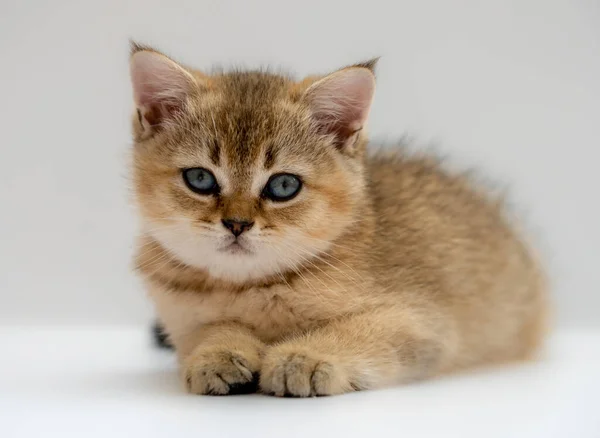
x=387, y=270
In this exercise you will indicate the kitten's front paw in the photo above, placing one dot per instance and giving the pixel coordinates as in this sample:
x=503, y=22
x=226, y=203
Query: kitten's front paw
x=217, y=371
x=298, y=372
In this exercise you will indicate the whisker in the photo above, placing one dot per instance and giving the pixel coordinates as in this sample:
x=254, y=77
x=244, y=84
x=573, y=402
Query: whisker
x=305, y=259
x=297, y=272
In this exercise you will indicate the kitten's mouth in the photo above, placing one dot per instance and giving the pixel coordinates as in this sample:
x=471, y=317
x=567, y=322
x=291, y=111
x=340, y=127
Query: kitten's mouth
x=235, y=248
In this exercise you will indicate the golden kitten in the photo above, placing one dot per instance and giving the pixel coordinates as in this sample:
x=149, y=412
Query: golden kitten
x=281, y=256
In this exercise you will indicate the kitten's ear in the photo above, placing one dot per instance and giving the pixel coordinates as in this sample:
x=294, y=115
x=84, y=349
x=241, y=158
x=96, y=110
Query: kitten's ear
x=160, y=86
x=340, y=103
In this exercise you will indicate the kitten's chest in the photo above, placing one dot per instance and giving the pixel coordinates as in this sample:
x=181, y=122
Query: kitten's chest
x=272, y=312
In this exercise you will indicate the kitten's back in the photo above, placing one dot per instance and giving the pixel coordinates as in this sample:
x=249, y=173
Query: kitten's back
x=447, y=241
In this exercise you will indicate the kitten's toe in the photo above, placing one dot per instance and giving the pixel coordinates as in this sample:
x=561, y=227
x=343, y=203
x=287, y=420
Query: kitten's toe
x=221, y=372
x=301, y=374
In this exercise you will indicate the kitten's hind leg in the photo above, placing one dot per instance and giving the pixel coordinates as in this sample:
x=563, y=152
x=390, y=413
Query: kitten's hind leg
x=160, y=337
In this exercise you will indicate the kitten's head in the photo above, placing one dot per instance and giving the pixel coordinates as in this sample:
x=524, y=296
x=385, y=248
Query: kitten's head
x=247, y=174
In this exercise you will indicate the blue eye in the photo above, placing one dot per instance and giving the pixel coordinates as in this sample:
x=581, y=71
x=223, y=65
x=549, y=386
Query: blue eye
x=282, y=187
x=201, y=181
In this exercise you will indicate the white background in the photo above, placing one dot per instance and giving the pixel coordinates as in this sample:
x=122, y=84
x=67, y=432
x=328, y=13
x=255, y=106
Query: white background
x=511, y=86
x=106, y=383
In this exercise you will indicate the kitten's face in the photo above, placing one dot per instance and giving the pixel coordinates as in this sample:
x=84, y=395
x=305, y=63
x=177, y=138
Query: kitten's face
x=240, y=180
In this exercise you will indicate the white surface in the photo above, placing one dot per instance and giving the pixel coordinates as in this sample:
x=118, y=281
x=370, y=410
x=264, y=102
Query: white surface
x=508, y=85
x=76, y=382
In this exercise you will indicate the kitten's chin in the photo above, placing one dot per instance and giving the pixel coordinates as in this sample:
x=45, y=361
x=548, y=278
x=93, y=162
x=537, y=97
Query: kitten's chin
x=239, y=265
x=236, y=248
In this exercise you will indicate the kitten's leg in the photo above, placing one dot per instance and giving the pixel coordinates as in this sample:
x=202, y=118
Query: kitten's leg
x=160, y=337
x=220, y=359
x=358, y=352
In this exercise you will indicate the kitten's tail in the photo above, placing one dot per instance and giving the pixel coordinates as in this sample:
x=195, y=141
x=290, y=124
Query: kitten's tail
x=160, y=337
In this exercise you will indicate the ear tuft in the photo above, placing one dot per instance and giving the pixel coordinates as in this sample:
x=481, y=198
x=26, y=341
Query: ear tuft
x=340, y=102
x=135, y=47
x=160, y=85
x=371, y=64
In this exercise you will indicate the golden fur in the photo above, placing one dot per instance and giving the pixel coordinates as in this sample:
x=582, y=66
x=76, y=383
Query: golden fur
x=384, y=269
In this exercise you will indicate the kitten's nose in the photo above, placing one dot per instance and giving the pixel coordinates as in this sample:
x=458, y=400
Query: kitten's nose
x=236, y=226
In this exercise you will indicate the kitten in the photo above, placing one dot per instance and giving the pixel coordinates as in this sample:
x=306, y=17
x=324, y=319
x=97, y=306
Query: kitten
x=279, y=253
